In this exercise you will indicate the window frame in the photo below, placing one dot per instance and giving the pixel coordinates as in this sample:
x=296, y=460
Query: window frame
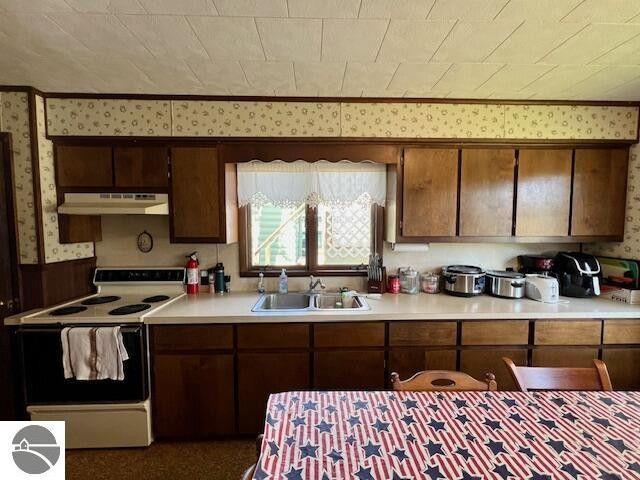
x=311, y=267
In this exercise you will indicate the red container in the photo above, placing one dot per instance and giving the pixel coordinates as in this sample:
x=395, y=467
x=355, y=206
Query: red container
x=393, y=284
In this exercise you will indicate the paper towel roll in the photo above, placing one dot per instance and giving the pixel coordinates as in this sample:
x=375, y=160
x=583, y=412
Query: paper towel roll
x=410, y=247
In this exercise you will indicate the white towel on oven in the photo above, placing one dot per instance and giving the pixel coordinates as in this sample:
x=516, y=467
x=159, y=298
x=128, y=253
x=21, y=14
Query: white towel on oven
x=93, y=353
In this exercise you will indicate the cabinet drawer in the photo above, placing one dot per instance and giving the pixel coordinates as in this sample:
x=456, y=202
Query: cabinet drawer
x=349, y=335
x=422, y=333
x=621, y=331
x=192, y=337
x=571, y=332
x=273, y=336
x=495, y=332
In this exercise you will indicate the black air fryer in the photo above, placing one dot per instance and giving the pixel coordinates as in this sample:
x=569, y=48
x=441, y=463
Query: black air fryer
x=578, y=274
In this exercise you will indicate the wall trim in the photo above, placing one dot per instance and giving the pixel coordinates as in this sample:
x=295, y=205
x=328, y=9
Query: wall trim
x=35, y=174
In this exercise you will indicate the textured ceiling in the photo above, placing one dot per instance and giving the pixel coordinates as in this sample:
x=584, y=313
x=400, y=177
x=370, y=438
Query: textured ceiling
x=508, y=49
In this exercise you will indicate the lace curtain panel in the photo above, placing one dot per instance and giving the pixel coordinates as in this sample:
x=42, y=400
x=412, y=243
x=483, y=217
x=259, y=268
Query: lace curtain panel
x=333, y=184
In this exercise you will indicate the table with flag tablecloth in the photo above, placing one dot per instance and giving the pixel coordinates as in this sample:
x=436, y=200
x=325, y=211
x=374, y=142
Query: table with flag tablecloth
x=451, y=435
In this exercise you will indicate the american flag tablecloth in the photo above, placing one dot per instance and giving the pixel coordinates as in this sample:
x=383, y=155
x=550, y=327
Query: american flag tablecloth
x=452, y=435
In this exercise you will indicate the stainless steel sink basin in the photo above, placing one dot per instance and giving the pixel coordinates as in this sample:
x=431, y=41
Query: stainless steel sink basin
x=328, y=302
x=307, y=302
x=282, y=302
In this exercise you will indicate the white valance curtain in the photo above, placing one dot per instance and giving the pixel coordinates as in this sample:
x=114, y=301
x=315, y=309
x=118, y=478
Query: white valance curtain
x=330, y=183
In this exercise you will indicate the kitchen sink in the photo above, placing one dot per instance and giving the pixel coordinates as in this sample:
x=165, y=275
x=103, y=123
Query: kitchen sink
x=327, y=301
x=303, y=302
x=271, y=302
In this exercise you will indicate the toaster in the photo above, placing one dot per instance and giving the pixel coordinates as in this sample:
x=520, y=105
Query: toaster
x=542, y=288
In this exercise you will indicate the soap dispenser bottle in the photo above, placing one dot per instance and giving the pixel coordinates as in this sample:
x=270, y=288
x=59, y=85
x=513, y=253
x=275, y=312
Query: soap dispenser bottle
x=283, y=282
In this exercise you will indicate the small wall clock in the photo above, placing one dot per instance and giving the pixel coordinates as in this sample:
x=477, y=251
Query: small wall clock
x=145, y=242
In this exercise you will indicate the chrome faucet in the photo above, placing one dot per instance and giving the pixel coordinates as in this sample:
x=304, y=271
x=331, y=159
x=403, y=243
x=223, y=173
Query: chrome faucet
x=313, y=284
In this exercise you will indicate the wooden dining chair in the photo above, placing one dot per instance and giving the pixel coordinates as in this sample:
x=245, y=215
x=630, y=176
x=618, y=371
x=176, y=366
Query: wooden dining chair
x=554, y=378
x=443, y=381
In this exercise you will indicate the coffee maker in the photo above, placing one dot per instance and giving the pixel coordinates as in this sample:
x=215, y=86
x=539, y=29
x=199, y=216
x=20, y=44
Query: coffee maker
x=578, y=274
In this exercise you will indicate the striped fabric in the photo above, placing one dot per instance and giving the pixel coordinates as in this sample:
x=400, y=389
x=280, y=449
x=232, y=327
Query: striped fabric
x=452, y=435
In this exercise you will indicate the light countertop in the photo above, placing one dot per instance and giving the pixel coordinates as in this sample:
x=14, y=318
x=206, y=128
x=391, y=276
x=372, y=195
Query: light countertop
x=236, y=308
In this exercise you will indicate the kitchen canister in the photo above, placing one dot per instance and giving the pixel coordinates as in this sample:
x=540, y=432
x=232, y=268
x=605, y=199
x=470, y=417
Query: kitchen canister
x=430, y=282
x=409, y=281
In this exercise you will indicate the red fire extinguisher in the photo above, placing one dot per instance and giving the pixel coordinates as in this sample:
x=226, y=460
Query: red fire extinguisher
x=193, y=282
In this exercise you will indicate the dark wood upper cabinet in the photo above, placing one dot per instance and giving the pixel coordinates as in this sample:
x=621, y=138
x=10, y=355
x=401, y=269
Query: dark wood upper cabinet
x=429, y=192
x=203, y=196
x=140, y=167
x=486, y=192
x=84, y=167
x=599, y=192
x=544, y=192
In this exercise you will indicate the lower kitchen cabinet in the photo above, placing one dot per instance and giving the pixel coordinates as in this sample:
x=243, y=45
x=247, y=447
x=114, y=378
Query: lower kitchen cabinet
x=349, y=370
x=408, y=361
x=260, y=375
x=193, y=395
x=477, y=362
x=624, y=367
x=564, y=357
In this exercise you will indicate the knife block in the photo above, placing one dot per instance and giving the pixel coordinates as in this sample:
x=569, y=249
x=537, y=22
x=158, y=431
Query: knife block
x=377, y=286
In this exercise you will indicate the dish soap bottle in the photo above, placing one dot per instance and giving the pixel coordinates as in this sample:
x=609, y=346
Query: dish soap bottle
x=283, y=282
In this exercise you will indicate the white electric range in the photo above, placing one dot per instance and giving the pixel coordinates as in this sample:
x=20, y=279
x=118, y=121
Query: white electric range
x=99, y=413
x=125, y=295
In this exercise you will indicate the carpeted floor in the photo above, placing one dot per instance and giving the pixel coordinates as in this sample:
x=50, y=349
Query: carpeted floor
x=215, y=460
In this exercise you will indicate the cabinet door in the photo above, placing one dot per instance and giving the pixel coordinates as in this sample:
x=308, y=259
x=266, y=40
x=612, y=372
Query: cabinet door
x=564, y=357
x=409, y=361
x=84, y=166
x=196, y=195
x=486, y=192
x=477, y=362
x=140, y=167
x=260, y=375
x=599, y=192
x=429, y=192
x=622, y=364
x=544, y=193
x=193, y=396
x=349, y=370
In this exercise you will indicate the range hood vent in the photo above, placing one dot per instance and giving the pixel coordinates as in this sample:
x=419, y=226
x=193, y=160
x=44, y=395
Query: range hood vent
x=115, y=204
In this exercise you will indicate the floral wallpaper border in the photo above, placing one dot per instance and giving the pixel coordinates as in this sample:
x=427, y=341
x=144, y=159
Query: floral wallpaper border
x=205, y=118
x=14, y=118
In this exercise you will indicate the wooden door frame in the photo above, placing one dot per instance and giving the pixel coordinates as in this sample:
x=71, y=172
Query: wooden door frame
x=7, y=159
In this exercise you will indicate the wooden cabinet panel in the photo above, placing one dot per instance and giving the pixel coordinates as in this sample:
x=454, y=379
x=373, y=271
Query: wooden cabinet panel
x=495, y=332
x=599, y=192
x=568, y=332
x=422, y=333
x=624, y=367
x=193, y=396
x=192, y=337
x=621, y=331
x=273, y=336
x=349, y=335
x=84, y=166
x=563, y=357
x=144, y=167
x=260, y=375
x=477, y=362
x=349, y=370
x=544, y=192
x=429, y=192
x=79, y=228
x=486, y=192
x=197, y=195
x=408, y=361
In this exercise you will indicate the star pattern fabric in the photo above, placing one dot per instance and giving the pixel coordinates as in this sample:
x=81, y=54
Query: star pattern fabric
x=450, y=435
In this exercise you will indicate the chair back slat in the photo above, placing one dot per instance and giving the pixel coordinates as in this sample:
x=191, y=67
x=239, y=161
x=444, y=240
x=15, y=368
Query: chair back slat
x=552, y=378
x=443, y=381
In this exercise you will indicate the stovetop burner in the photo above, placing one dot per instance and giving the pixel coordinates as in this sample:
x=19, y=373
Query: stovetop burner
x=128, y=309
x=100, y=300
x=156, y=298
x=68, y=310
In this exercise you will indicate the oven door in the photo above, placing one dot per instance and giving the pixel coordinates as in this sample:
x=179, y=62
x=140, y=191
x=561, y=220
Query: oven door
x=44, y=382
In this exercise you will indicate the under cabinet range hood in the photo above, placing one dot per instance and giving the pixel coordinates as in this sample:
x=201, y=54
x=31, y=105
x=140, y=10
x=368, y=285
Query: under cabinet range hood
x=115, y=204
